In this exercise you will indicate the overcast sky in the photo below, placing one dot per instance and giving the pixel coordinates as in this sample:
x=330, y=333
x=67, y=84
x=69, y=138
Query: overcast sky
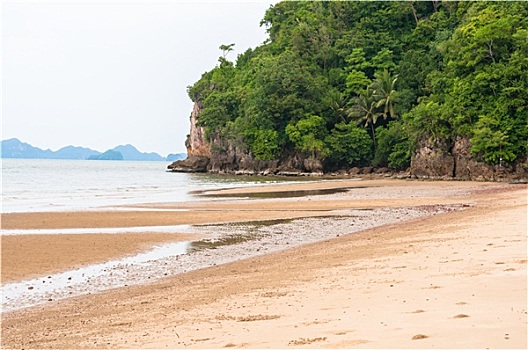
x=103, y=74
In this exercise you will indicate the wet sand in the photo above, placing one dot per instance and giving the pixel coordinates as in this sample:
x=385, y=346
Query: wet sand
x=28, y=256
x=365, y=194
x=453, y=280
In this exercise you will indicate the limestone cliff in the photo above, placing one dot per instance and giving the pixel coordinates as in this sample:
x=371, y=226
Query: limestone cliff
x=196, y=142
x=447, y=159
x=198, y=149
x=434, y=158
x=216, y=155
x=466, y=168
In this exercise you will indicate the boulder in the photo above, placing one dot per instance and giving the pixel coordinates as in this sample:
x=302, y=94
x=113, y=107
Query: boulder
x=193, y=164
x=354, y=171
x=313, y=165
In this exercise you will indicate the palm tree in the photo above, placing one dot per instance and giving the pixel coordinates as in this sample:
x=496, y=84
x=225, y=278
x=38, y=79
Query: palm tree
x=385, y=93
x=364, y=109
x=338, y=102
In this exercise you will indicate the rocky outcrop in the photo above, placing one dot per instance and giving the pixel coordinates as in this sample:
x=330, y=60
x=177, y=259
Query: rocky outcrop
x=193, y=164
x=313, y=165
x=437, y=159
x=433, y=159
x=467, y=168
x=235, y=158
x=220, y=156
x=198, y=149
x=521, y=169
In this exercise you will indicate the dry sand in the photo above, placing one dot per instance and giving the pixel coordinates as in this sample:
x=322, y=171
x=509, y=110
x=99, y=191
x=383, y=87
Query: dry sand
x=453, y=280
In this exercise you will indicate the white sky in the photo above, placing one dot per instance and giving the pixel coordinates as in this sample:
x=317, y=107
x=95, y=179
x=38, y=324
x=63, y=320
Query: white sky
x=103, y=74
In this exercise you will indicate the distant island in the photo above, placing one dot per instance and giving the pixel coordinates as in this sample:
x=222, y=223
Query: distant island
x=108, y=155
x=14, y=148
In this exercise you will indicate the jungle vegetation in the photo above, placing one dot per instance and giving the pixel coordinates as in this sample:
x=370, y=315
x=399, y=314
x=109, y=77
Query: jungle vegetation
x=362, y=83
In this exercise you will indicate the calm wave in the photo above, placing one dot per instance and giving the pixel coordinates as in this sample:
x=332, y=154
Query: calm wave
x=57, y=185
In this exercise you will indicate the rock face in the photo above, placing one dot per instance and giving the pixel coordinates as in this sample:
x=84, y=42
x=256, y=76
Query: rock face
x=469, y=169
x=198, y=149
x=434, y=159
x=452, y=160
x=196, y=142
x=219, y=156
x=230, y=157
x=313, y=165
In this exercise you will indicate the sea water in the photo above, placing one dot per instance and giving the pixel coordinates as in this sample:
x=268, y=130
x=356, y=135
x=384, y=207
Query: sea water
x=30, y=185
x=63, y=185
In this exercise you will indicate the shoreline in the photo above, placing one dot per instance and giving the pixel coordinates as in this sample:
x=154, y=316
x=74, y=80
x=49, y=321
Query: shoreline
x=302, y=261
x=190, y=213
x=38, y=243
x=203, y=246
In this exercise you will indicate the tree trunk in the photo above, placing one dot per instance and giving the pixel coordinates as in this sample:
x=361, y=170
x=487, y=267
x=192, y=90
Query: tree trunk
x=490, y=50
x=373, y=135
x=414, y=13
x=435, y=5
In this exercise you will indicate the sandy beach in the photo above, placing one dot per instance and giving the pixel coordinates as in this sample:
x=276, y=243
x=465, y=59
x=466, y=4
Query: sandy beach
x=29, y=256
x=403, y=264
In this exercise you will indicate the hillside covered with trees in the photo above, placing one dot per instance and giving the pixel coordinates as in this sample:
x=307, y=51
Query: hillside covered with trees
x=378, y=84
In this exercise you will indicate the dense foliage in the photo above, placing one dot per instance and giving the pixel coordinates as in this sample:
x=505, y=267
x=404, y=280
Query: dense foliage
x=357, y=83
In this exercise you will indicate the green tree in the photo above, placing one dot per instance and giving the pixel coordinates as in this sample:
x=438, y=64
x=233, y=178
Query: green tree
x=491, y=144
x=308, y=135
x=337, y=103
x=226, y=49
x=385, y=93
x=364, y=111
x=356, y=81
x=394, y=147
x=349, y=145
x=383, y=60
x=264, y=144
x=356, y=78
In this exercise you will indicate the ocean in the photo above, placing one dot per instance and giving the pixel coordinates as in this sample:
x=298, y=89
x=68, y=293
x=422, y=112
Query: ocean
x=30, y=185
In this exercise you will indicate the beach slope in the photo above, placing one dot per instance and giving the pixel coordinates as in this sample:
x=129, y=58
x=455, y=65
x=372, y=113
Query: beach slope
x=452, y=280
